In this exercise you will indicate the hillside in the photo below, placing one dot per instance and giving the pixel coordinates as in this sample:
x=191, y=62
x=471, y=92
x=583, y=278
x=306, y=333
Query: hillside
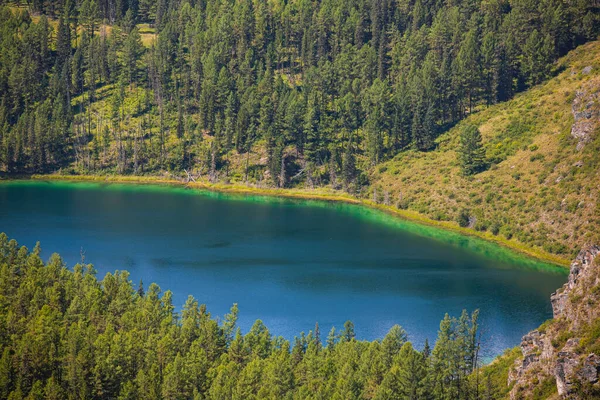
x=542, y=186
x=559, y=360
x=353, y=96
x=539, y=192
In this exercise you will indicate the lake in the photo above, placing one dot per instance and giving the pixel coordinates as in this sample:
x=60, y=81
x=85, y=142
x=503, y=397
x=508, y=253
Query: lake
x=289, y=263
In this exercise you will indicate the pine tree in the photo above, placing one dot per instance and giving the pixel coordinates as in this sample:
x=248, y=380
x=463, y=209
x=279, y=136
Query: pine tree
x=132, y=51
x=348, y=167
x=348, y=334
x=89, y=16
x=311, y=131
x=471, y=152
x=468, y=66
x=490, y=67
x=538, y=53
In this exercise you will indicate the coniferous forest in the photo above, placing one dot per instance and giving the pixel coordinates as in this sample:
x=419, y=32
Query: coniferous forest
x=65, y=334
x=319, y=91
x=288, y=94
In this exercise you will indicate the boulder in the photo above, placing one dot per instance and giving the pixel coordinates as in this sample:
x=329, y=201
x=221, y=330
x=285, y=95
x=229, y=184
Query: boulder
x=566, y=364
x=591, y=368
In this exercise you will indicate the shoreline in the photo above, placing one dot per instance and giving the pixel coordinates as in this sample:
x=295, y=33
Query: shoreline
x=307, y=194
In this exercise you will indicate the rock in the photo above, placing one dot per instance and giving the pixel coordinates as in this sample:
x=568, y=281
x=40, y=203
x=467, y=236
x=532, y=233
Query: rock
x=586, y=112
x=541, y=360
x=570, y=371
x=591, y=368
x=571, y=344
x=531, y=342
x=587, y=70
x=582, y=263
x=472, y=222
x=558, y=300
x=565, y=372
x=578, y=164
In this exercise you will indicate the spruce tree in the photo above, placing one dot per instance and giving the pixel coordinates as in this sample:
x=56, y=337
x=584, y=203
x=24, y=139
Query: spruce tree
x=471, y=151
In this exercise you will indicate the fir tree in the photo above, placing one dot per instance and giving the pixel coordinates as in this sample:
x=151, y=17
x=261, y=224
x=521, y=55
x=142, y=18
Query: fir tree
x=471, y=152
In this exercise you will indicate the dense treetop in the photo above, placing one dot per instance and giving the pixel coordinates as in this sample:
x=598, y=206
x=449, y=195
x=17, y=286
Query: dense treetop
x=322, y=90
x=64, y=334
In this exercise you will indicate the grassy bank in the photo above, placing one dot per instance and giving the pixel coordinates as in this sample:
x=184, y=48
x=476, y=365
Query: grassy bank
x=321, y=194
x=541, y=187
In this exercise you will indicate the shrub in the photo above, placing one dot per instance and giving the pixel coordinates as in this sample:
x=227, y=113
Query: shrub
x=463, y=218
x=495, y=228
x=537, y=156
x=481, y=225
x=506, y=232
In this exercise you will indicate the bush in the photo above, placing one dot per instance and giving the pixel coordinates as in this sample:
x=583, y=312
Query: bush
x=495, y=228
x=481, y=225
x=506, y=232
x=537, y=156
x=463, y=218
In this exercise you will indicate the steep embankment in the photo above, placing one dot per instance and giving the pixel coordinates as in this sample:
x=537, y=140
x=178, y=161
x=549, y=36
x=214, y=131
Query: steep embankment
x=543, y=147
x=562, y=357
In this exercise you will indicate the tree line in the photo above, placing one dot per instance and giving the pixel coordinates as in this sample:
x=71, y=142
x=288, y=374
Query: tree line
x=66, y=334
x=325, y=89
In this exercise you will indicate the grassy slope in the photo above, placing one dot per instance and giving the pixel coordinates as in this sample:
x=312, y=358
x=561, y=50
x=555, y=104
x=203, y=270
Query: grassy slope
x=536, y=196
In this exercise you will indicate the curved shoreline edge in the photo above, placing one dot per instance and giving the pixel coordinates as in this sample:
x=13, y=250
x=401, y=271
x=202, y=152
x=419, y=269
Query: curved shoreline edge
x=321, y=194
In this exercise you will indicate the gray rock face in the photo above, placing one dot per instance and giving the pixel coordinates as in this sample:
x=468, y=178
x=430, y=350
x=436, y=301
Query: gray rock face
x=530, y=347
x=591, y=368
x=541, y=359
x=570, y=371
x=579, y=267
x=564, y=372
x=586, y=112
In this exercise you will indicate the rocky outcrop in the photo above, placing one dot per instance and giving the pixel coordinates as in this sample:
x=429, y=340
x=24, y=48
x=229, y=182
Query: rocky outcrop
x=586, y=112
x=581, y=270
x=556, y=350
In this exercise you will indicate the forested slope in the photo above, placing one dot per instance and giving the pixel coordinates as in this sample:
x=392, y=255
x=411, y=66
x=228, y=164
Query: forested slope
x=539, y=183
x=307, y=93
x=65, y=334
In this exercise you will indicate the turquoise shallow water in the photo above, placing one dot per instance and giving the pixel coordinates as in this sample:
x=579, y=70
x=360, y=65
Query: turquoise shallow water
x=289, y=263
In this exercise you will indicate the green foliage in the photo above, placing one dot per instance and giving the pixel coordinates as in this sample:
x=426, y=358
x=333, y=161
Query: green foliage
x=516, y=134
x=471, y=152
x=463, y=218
x=545, y=389
x=203, y=84
x=492, y=378
x=65, y=333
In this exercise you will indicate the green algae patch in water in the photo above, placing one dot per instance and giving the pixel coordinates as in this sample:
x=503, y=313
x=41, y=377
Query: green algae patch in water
x=365, y=213
x=290, y=263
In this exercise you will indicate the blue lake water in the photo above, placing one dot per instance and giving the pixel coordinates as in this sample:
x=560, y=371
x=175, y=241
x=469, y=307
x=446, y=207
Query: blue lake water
x=288, y=263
